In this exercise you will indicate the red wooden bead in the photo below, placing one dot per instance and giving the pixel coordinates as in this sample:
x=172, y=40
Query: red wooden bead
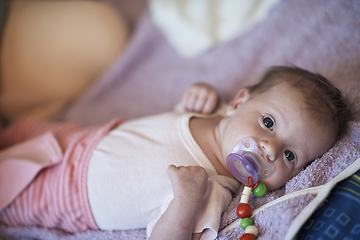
x=247, y=236
x=244, y=210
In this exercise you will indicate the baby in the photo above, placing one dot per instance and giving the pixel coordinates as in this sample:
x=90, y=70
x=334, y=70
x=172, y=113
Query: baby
x=168, y=172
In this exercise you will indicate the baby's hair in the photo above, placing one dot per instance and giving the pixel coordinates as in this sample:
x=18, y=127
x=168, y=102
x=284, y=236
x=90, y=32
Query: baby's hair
x=320, y=94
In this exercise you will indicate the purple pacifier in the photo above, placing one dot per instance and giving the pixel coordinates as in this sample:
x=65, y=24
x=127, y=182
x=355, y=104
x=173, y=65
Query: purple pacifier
x=243, y=163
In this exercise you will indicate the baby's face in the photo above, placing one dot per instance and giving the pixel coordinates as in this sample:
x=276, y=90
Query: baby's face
x=286, y=133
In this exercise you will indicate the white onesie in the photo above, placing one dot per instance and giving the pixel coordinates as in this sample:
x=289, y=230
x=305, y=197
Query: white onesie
x=128, y=184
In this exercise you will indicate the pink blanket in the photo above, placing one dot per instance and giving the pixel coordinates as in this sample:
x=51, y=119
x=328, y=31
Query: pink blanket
x=321, y=36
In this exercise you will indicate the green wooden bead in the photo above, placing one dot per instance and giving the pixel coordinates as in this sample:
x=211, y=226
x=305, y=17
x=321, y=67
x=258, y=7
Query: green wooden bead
x=260, y=190
x=245, y=222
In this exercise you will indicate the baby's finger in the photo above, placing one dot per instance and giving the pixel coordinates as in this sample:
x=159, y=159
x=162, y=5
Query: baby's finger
x=211, y=103
x=201, y=100
x=185, y=99
x=190, y=100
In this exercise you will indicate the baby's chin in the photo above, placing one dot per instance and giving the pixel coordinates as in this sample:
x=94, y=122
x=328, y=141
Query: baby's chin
x=271, y=186
x=274, y=184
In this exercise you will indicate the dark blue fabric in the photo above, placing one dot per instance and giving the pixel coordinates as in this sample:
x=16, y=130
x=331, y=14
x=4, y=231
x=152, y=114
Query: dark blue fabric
x=339, y=216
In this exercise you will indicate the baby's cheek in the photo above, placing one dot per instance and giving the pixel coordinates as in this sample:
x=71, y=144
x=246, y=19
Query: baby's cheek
x=271, y=183
x=277, y=180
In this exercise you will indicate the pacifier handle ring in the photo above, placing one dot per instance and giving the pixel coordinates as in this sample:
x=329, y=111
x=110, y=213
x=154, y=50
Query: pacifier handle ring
x=250, y=184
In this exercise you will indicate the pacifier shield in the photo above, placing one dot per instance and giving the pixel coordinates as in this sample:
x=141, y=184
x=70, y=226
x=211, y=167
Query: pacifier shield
x=246, y=145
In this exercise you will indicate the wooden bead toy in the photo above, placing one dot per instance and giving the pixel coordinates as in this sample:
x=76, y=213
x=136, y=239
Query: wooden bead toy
x=244, y=210
x=247, y=236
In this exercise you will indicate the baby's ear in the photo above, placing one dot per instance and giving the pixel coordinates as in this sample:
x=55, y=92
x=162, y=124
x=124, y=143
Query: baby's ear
x=241, y=97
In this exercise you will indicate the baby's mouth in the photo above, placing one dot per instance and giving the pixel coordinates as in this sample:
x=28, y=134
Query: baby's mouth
x=243, y=162
x=242, y=166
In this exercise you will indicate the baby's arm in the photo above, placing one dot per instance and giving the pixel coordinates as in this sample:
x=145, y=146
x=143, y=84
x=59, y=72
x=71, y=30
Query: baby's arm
x=189, y=186
x=201, y=98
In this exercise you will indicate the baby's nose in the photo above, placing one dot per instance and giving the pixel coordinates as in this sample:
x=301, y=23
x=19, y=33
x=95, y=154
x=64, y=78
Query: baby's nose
x=269, y=148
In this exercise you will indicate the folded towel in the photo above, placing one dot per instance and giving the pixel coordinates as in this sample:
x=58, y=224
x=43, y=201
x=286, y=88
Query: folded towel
x=281, y=213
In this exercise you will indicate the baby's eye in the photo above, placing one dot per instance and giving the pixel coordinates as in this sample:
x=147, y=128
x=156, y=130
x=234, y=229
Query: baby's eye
x=290, y=156
x=268, y=122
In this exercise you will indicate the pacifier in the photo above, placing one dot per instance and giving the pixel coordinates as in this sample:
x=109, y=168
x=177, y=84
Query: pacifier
x=243, y=163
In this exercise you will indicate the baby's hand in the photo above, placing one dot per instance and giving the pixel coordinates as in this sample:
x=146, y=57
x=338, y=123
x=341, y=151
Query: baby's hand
x=189, y=183
x=201, y=98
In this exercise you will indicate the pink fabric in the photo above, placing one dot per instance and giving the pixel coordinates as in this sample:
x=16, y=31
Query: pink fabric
x=57, y=198
x=21, y=163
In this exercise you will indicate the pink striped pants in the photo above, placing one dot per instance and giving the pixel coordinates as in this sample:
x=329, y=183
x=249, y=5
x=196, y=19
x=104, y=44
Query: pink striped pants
x=57, y=197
